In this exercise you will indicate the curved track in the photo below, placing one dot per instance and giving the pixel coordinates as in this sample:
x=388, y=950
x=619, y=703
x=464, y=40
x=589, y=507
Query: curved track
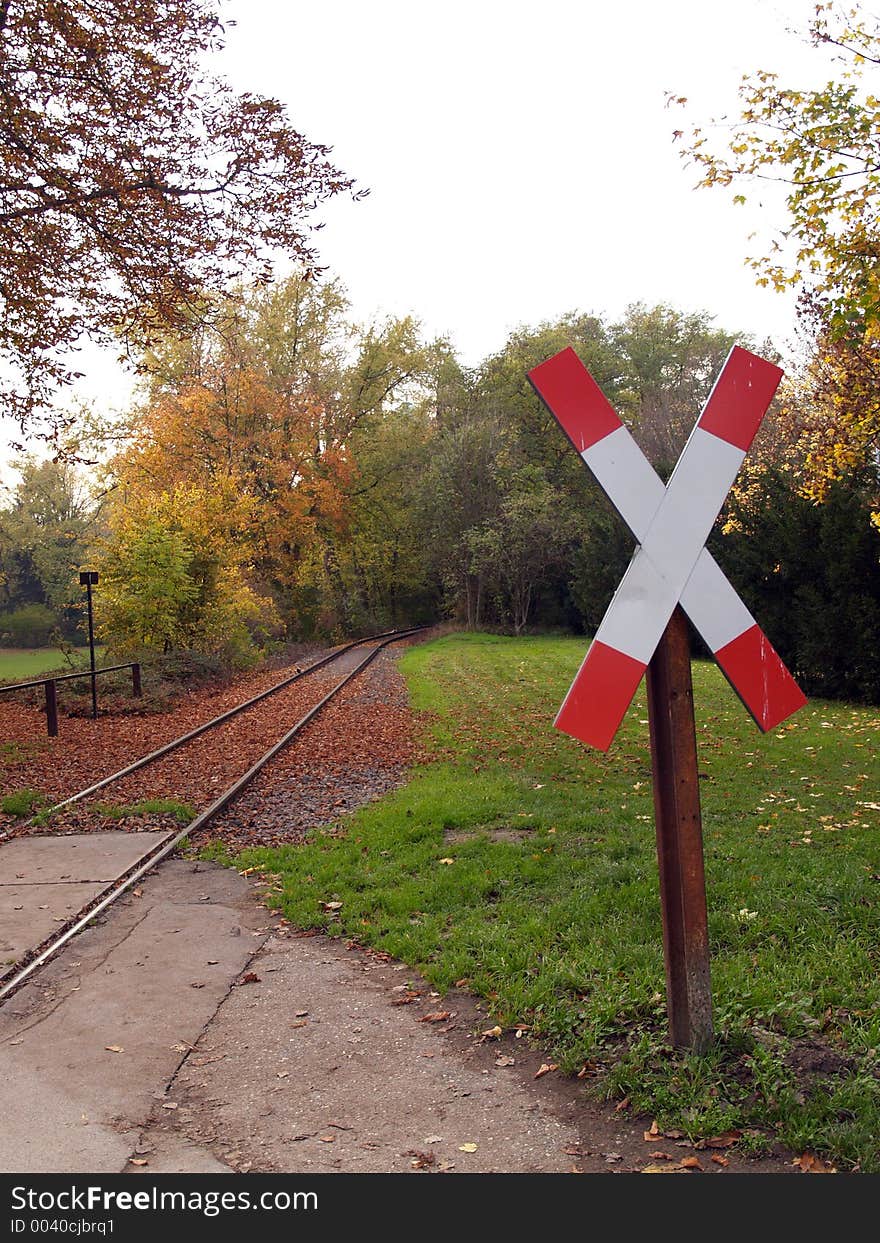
x=19, y=972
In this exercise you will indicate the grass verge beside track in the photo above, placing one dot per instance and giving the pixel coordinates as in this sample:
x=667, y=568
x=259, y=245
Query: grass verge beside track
x=521, y=865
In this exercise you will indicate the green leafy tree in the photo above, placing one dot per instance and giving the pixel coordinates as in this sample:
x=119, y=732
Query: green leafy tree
x=811, y=575
x=172, y=576
x=668, y=361
x=45, y=533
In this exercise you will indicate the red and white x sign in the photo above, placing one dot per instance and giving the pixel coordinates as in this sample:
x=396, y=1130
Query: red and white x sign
x=671, y=564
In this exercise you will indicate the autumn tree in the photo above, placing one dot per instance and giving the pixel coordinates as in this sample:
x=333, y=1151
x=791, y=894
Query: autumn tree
x=132, y=181
x=171, y=575
x=280, y=398
x=823, y=145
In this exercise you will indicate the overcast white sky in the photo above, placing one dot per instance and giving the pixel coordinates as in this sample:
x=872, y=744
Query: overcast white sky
x=519, y=156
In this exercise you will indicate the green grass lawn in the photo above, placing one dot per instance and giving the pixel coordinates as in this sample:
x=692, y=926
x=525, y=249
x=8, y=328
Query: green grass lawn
x=23, y=663
x=521, y=865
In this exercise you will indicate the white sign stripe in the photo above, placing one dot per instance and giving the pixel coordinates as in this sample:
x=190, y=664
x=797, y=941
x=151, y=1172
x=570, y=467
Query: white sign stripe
x=635, y=488
x=661, y=567
x=713, y=605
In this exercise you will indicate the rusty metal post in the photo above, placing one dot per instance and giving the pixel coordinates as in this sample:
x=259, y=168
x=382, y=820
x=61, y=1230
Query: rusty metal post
x=51, y=708
x=136, y=680
x=679, y=838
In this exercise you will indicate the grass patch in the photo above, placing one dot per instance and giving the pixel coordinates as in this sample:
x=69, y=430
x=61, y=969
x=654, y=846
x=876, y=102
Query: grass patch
x=19, y=664
x=181, y=812
x=22, y=802
x=557, y=924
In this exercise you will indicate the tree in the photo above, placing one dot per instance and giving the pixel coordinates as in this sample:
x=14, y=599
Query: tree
x=132, y=180
x=668, y=361
x=279, y=399
x=45, y=533
x=520, y=549
x=824, y=145
x=811, y=574
x=173, y=574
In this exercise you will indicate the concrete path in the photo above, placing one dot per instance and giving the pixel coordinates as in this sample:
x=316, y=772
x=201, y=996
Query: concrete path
x=44, y=881
x=91, y=1043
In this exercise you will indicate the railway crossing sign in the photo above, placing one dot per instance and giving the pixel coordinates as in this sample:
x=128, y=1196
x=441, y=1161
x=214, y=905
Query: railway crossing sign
x=671, y=564
x=644, y=631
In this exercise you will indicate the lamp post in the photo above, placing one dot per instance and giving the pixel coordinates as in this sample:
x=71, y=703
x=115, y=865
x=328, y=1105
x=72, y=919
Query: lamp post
x=88, y=578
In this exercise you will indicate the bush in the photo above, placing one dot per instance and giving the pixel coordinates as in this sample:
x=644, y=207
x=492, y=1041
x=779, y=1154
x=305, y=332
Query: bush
x=811, y=575
x=28, y=626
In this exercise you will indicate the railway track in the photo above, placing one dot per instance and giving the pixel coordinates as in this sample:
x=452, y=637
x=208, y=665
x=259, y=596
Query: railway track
x=16, y=974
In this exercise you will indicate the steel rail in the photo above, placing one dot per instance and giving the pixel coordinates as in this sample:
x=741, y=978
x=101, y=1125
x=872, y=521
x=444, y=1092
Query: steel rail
x=119, y=887
x=217, y=720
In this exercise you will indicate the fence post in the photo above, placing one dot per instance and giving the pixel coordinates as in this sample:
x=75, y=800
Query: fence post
x=136, y=680
x=51, y=689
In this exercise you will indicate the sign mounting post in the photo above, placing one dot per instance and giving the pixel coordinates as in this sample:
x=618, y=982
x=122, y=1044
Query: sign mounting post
x=645, y=631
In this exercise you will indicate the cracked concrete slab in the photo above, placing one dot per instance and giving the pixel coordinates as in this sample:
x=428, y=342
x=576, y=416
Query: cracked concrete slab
x=73, y=857
x=29, y=914
x=44, y=881
x=88, y=1047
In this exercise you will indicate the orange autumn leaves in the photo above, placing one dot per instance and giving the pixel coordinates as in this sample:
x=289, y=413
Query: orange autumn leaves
x=222, y=494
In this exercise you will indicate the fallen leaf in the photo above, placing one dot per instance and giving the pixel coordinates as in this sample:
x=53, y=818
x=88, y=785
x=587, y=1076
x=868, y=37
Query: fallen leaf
x=621, y=1105
x=328, y=1139
x=446, y=861
x=660, y=1169
x=727, y=1140
x=433, y=1139
x=421, y=1160
x=719, y=1160
x=138, y=1161
x=809, y=1163
x=467, y=1147
x=491, y=1034
x=114, y=1048
x=653, y=1134
x=436, y=1016
x=300, y=1023
x=169, y=1104
x=250, y=977
x=690, y=1163
x=545, y=1068
x=505, y=1059
x=332, y=906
